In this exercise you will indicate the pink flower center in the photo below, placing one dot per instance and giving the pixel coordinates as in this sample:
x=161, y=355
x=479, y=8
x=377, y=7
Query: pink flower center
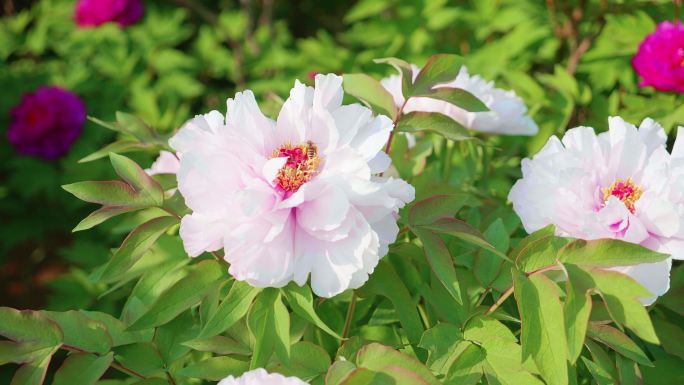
x=302, y=164
x=625, y=190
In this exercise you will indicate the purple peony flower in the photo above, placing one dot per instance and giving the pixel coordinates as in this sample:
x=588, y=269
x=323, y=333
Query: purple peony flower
x=660, y=60
x=91, y=13
x=46, y=122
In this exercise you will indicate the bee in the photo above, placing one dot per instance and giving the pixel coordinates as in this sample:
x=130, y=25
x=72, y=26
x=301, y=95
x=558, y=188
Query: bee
x=311, y=150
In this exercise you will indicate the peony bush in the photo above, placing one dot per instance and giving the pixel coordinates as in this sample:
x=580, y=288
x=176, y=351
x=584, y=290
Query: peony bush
x=445, y=222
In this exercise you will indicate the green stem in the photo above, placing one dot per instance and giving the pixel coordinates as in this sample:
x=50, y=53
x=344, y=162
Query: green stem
x=350, y=315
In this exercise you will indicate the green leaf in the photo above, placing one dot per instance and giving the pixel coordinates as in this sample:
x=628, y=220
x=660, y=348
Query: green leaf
x=371, y=92
x=577, y=309
x=599, y=374
x=301, y=301
x=441, y=262
x=110, y=193
x=135, y=176
x=361, y=376
x=543, y=335
x=488, y=265
x=439, y=69
x=233, y=307
x=23, y=352
x=141, y=357
x=183, y=295
x=628, y=371
x=307, y=362
x=429, y=210
x=215, y=368
x=82, y=369
x=385, y=282
x=463, y=231
x=539, y=249
x=32, y=373
x=458, y=97
x=608, y=253
x=29, y=326
x=435, y=122
x=82, y=332
x=120, y=146
x=385, y=359
x=445, y=345
x=338, y=372
x=135, y=245
x=467, y=369
x=133, y=125
x=670, y=336
x=618, y=341
x=102, y=214
x=405, y=71
x=117, y=330
x=220, y=345
x=269, y=322
x=621, y=294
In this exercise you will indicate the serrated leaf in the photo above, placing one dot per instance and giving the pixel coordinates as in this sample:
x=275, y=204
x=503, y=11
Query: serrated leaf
x=301, y=301
x=81, y=332
x=183, y=295
x=608, y=253
x=135, y=245
x=82, y=369
x=269, y=321
x=371, y=92
x=233, y=307
x=458, y=97
x=543, y=335
x=434, y=122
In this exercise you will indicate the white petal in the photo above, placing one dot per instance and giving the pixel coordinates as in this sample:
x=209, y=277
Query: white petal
x=201, y=233
x=655, y=277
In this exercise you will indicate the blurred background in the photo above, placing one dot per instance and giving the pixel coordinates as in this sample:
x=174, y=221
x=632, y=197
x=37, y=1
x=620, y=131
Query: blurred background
x=569, y=60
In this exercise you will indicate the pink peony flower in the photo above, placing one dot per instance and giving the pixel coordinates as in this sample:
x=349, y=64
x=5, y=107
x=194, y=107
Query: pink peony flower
x=660, y=59
x=507, y=113
x=91, y=13
x=166, y=163
x=294, y=197
x=46, y=122
x=620, y=184
x=261, y=377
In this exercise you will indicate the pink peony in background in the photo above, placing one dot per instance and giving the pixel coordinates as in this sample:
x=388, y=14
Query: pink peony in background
x=660, y=59
x=91, y=13
x=295, y=197
x=620, y=184
x=46, y=122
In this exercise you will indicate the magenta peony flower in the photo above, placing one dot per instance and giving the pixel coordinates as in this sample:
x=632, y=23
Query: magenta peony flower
x=46, y=122
x=91, y=13
x=660, y=60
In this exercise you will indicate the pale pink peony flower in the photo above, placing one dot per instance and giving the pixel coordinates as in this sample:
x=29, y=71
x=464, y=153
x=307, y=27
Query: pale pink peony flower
x=507, y=113
x=294, y=197
x=620, y=184
x=166, y=163
x=261, y=377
